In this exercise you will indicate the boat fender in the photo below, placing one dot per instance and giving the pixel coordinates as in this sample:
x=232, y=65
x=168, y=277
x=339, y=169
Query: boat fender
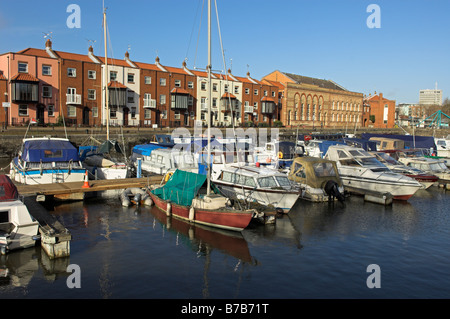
x=168, y=211
x=168, y=176
x=148, y=201
x=137, y=198
x=191, y=213
x=125, y=199
x=280, y=154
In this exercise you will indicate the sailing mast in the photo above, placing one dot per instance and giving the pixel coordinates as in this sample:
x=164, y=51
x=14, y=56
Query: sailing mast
x=105, y=71
x=208, y=175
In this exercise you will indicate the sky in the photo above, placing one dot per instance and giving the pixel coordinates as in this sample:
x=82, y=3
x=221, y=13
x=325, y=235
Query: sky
x=326, y=39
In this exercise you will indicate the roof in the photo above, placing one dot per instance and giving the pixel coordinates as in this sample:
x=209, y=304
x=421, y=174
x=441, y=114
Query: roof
x=116, y=85
x=327, y=84
x=179, y=91
x=2, y=77
x=228, y=95
x=24, y=77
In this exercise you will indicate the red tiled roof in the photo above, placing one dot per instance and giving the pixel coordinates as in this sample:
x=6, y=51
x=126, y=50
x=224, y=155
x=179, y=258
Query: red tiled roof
x=268, y=99
x=116, y=85
x=228, y=95
x=24, y=77
x=179, y=91
x=2, y=77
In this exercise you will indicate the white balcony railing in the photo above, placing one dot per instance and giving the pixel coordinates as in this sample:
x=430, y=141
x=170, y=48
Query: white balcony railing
x=73, y=99
x=248, y=109
x=149, y=103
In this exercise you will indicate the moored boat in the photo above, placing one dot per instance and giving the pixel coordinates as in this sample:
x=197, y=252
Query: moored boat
x=361, y=172
x=46, y=160
x=184, y=196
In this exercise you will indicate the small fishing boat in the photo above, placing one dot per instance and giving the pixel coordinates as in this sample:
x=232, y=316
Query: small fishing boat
x=17, y=228
x=318, y=179
x=46, y=160
x=185, y=196
x=395, y=166
x=361, y=172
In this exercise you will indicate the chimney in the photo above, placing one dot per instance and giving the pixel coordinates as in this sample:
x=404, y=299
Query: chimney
x=159, y=65
x=186, y=69
x=49, y=50
x=127, y=59
x=92, y=56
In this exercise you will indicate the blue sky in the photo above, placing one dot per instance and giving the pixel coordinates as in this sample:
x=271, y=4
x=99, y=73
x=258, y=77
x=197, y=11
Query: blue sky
x=327, y=39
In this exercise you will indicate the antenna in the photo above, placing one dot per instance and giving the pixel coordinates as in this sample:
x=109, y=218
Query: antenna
x=48, y=35
x=91, y=42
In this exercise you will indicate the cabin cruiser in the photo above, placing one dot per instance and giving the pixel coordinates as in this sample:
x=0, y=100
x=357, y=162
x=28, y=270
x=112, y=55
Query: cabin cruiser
x=361, y=172
x=443, y=146
x=17, y=228
x=277, y=154
x=46, y=160
x=162, y=160
x=250, y=182
x=395, y=166
x=432, y=166
x=318, y=179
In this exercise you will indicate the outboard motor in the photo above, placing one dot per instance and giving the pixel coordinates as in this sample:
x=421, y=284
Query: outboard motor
x=332, y=190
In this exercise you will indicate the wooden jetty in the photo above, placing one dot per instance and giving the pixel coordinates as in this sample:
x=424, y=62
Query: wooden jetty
x=75, y=190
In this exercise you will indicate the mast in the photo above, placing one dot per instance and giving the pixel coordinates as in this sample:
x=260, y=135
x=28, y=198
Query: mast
x=208, y=175
x=105, y=71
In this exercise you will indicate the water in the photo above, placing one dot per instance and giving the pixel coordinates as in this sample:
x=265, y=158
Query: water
x=316, y=251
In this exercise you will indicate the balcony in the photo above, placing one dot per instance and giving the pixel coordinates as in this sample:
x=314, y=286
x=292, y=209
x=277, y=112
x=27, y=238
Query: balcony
x=73, y=99
x=149, y=103
x=248, y=109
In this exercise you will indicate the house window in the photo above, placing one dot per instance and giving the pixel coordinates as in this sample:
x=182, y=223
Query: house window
x=255, y=91
x=226, y=88
x=130, y=77
x=147, y=113
x=214, y=102
x=162, y=99
x=130, y=97
x=203, y=86
x=112, y=75
x=113, y=112
x=71, y=111
x=162, y=81
x=255, y=105
x=23, y=67
x=247, y=91
x=164, y=114
x=214, y=87
x=92, y=74
x=236, y=90
x=273, y=93
x=46, y=91
x=190, y=85
x=23, y=110
x=148, y=80
x=133, y=112
x=177, y=115
x=46, y=70
x=71, y=72
x=95, y=111
x=91, y=94
x=265, y=93
x=51, y=109
x=190, y=100
x=177, y=83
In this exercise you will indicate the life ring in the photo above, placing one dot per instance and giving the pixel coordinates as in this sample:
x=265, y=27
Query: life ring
x=280, y=154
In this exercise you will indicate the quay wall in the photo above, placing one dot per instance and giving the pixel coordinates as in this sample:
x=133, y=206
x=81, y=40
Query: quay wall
x=11, y=138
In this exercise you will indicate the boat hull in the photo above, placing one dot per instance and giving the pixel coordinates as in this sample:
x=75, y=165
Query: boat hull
x=279, y=198
x=220, y=218
x=46, y=176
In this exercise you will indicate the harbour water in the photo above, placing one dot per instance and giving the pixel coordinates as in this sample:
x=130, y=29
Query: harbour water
x=318, y=250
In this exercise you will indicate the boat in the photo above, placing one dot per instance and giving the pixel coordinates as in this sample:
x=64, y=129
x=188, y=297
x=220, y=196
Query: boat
x=162, y=160
x=433, y=166
x=384, y=143
x=141, y=155
x=443, y=146
x=46, y=160
x=277, y=154
x=362, y=173
x=185, y=196
x=190, y=196
x=426, y=179
x=318, y=179
x=255, y=183
x=18, y=229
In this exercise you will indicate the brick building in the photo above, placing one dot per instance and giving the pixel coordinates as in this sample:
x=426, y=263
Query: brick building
x=311, y=102
x=382, y=110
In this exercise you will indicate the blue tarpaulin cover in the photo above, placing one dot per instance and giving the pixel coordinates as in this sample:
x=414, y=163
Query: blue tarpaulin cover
x=49, y=150
x=146, y=149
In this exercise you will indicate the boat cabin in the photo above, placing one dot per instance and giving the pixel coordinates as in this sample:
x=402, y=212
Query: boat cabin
x=384, y=143
x=313, y=171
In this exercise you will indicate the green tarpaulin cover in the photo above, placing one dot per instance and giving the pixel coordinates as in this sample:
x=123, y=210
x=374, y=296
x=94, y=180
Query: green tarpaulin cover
x=181, y=188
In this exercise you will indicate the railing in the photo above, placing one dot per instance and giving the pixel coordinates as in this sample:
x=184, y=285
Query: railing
x=73, y=99
x=149, y=103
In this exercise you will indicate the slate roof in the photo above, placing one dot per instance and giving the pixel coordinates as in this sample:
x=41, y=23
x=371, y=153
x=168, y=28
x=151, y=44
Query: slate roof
x=327, y=84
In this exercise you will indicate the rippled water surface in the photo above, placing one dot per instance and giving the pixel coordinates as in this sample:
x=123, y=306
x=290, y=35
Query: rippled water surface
x=316, y=251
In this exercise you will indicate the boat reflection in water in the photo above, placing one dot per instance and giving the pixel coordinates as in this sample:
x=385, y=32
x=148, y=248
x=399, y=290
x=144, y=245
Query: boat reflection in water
x=204, y=238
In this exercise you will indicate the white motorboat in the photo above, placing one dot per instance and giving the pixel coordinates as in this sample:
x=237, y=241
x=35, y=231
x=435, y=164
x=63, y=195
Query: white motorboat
x=430, y=165
x=318, y=178
x=162, y=160
x=443, y=146
x=17, y=228
x=46, y=160
x=395, y=166
x=253, y=183
x=361, y=172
